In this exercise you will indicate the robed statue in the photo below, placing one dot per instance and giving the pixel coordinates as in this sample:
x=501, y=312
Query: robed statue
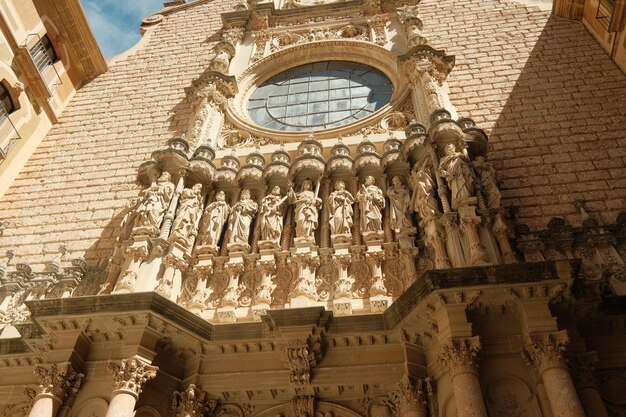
x=371, y=203
x=306, y=211
x=271, y=216
x=241, y=218
x=339, y=205
x=215, y=216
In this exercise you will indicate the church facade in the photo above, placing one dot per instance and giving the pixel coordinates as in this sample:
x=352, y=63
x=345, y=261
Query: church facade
x=305, y=208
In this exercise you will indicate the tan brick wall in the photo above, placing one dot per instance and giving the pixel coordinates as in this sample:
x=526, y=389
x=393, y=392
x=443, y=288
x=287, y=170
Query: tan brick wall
x=550, y=99
x=548, y=96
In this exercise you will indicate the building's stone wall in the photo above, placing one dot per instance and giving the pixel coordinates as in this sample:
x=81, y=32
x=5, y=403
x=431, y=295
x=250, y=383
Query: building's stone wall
x=548, y=96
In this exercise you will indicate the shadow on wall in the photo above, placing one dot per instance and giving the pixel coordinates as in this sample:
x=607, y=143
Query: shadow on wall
x=559, y=137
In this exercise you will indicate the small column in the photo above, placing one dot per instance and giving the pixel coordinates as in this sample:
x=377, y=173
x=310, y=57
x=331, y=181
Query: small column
x=545, y=352
x=128, y=379
x=57, y=384
x=166, y=227
x=460, y=356
x=409, y=398
x=584, y=367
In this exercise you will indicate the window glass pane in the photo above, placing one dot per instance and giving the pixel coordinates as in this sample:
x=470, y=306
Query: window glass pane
x=319, y=95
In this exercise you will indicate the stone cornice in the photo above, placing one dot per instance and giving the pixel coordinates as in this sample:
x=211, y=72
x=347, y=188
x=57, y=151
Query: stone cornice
x=431, y=285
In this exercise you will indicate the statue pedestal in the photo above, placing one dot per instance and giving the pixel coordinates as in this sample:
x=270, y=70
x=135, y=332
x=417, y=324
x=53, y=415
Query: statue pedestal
x=207, y=249
x=341, y=243
x=406, y=237
x=237, y=247
x=373, y=240
x=304, y=244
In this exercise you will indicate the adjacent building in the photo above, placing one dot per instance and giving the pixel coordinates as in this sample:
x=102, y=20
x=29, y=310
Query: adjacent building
x=48, y=52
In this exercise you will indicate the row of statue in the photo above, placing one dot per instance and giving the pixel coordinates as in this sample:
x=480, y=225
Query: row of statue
x=463, y=177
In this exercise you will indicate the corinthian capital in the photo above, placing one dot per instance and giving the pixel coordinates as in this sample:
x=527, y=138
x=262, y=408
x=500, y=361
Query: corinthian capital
x=409, y=395
x=546, y=351
x=130, y=374
x=192, y=402
x=60, y=380
x=461, y=355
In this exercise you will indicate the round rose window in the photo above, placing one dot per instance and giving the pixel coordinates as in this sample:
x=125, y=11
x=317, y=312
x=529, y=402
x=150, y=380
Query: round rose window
x=319, y=96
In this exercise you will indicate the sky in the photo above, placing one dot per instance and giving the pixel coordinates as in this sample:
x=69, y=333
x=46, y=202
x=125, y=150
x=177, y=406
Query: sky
x=116, y=23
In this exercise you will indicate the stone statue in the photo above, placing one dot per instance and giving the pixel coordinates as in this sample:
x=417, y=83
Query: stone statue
x=371, y=203
x=271, y=216
x=400, y=201
x=489, y=181
x=424, y=198
x=306, y=211
x=154, y=202
x=188, y=213
x=216, y=215
x=340, y=209
x=457, y=169
x=241, y=217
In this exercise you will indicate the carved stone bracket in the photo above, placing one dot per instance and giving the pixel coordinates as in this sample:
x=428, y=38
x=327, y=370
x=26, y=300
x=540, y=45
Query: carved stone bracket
x=304, y=406
x=409, y=395
x=192, y=402
x=130, y=374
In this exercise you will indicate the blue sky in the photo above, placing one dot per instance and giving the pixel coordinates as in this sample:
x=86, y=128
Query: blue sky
x=116, y=23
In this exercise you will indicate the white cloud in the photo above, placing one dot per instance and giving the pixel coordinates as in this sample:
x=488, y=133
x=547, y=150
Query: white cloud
x=116, y=23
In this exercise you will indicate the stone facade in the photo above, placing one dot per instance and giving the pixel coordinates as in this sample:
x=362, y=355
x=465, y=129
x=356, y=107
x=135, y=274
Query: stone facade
x=459, y=252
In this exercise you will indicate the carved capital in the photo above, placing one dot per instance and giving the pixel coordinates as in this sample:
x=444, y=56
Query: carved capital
x=192, y=402
x=461, y=355
x=130, y=374
x=60, y=381
x=409, y=395
x=546, y=351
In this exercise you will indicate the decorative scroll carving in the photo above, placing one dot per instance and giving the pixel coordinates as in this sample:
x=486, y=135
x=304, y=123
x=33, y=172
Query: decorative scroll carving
x=304, y=406
x=130, y=374
x=301, y=357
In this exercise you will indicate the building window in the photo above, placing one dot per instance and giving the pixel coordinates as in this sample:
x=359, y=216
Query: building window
x=318, y=96
x=604, y=14
x=43, y=54
x=6, y=103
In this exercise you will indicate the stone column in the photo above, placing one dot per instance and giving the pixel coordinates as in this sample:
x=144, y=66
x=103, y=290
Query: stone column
x=192, y=402
x=460, y=356
x=168, y=219
x=129, y=375
x=584, y=367
x=409, y=398
x=57, y=384
x=545, y=352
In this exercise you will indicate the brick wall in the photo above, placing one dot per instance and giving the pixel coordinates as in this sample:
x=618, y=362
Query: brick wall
x=552, y=102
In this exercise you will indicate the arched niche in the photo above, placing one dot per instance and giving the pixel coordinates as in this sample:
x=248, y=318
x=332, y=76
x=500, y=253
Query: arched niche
x=322, y=409
x=510, y=396
x=93, y=407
